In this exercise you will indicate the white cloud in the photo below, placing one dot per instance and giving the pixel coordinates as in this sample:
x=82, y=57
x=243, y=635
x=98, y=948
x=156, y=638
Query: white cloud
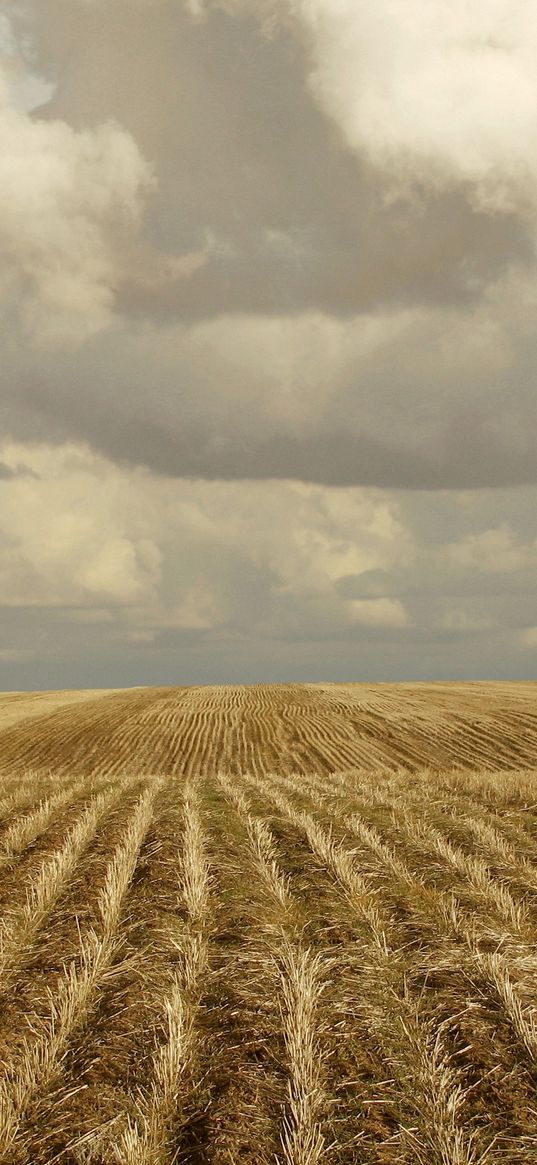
x=528, y=637
x=66, y=198
x=457, y=618
x=27, y=89
x=144, y=565
x=378, y=613
x=68, y=535
x=340, y=533
x=497, y=549
x=199, y=608
x=191, y=556
x=441, y=91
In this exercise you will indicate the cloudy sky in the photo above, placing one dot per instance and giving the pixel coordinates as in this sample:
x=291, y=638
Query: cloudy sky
x=268, y=389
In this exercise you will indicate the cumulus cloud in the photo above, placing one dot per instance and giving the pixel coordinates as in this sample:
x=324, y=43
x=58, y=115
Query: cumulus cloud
x=378, y=613
x=251, y=161
x=436, y=93
x=254, y=390
x=496, y=550
x=401, y=399
x=65, y=537
x=457, y=618
x=144, y=574
x=66, y=200
x=278, y=317
x=189, y=556
x=8, y=472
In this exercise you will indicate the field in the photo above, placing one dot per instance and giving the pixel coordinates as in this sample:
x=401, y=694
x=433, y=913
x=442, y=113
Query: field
x=290, y=924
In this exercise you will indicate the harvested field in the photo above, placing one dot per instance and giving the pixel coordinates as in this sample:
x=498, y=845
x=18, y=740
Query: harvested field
x=292, y=924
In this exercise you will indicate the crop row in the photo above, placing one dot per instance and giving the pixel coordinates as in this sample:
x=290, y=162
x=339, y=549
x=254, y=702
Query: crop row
x=277, y=968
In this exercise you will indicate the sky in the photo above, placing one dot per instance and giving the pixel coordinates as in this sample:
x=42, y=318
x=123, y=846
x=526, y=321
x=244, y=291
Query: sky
x=268, y=294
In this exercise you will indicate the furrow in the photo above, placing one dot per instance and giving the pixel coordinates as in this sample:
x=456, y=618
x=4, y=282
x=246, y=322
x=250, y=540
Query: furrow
x=26, y=829
x=148, y=1139
x=474, y=870
x=18, y=928
x=445, y=917
x=39, y=1055
x=414, y=1046
x=295, y=977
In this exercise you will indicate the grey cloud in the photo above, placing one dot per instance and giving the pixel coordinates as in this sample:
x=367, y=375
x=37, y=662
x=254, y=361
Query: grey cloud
x=9, y=473
x=52, y=654
x=267, y=216
x=275, y=313
x=244, y=157
x=434, y=581
x=427, y=407
x=250, y=581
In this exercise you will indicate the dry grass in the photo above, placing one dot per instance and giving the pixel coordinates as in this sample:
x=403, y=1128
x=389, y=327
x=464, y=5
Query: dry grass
x=413, y=1048
x=295, y=976
x=26, y=828
x=286, y=926
x=39, y=1053
x=148, y=1139
x=19, y=927
x=301, y=988
x=436, y=906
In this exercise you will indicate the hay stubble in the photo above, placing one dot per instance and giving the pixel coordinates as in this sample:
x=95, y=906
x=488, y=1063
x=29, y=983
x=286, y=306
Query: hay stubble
x=291, y=924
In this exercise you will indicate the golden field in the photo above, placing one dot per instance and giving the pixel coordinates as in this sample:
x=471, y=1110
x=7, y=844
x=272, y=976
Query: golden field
x=287, y=924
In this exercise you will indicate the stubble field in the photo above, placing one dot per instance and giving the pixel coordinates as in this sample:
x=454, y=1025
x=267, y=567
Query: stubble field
x=290, y=924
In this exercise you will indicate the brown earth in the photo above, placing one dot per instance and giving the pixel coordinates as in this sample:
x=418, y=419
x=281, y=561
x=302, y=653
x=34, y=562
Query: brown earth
x=288, y=727
x=289, y=923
